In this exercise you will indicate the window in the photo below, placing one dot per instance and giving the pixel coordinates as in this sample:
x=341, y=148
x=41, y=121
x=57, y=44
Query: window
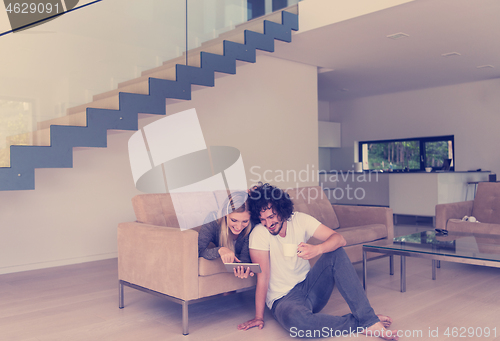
x=414, y=154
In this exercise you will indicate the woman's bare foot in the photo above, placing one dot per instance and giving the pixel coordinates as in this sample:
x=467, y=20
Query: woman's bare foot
x=378, y=330
x=386, y=320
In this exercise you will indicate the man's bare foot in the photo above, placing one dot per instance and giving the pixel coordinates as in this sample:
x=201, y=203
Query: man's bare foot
x=378, y=330
x=386, y=320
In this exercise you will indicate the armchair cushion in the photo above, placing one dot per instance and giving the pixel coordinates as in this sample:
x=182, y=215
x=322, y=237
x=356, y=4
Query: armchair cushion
x=221, y=283
x=456, y=210
x=464, y=226
x=486, y=207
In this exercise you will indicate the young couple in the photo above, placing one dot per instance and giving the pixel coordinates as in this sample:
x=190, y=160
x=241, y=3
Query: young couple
x=293, y=291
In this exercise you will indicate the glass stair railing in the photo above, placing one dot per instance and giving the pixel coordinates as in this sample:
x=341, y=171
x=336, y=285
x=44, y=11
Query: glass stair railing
x=77, y=115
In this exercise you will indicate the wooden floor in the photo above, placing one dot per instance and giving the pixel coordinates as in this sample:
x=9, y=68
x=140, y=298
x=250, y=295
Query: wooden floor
x=80, y=302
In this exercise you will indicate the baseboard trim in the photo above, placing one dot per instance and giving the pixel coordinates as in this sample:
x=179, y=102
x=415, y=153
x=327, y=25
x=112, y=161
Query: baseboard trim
x=55, y=263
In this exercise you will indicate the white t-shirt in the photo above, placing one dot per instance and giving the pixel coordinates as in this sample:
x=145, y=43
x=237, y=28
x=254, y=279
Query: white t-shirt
x=286, y=272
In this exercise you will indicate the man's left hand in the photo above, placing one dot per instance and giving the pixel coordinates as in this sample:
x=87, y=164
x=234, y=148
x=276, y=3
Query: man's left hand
x=242, y=273
x=256, y=322
x=307, y=251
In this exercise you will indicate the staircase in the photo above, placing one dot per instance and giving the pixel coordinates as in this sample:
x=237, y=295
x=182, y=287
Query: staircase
x=51, y=146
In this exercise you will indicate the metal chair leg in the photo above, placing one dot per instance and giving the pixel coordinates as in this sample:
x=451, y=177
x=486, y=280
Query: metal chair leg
x=185, y=326
x=120, y=295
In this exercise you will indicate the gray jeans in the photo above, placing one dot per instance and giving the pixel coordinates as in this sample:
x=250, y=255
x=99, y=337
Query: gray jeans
x=299, y=310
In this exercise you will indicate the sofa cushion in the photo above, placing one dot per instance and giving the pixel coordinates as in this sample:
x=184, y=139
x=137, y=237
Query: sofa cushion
x=458, y=225
x=363, y=234
x=486, y=207
x=210, y=267
x=313, y=201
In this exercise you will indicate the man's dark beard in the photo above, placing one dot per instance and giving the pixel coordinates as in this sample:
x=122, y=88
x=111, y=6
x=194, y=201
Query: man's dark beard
x=275, y=233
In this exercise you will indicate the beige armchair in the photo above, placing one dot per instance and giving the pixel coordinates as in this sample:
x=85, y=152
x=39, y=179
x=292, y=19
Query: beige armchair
x=155, y=256
x=485, y=208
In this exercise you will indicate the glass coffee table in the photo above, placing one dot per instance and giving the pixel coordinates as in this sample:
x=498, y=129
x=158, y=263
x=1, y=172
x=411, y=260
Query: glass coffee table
x=478, y=249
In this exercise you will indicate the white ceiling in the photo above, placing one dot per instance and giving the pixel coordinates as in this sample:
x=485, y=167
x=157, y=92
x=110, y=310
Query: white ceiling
x=365, y=62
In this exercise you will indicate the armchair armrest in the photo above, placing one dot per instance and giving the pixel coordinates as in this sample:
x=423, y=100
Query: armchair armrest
x=456, y=210
x=350, y=216
x=163, y=259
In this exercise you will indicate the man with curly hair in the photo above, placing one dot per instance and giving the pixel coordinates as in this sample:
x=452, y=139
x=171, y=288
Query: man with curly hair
x=294, y=292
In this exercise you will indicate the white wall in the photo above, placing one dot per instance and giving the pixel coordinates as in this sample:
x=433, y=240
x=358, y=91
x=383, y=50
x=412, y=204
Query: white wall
x=325, y=162
x=72, y=214
x=470, y=111
x=268, y=110
x=319, y=13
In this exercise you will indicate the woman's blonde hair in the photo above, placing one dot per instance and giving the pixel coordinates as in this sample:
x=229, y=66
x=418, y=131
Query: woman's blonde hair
x=235, y=202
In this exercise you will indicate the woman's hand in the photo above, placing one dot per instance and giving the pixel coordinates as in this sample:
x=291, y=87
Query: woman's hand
x=240, y=272
x=227, y=255
x=256, y=322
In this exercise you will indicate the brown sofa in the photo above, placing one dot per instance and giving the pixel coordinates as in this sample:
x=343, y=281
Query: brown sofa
x=155, y=256
x=485, y=208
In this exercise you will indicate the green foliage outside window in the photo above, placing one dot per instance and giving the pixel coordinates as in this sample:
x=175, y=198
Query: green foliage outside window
x=396, y=154
x=411, y=154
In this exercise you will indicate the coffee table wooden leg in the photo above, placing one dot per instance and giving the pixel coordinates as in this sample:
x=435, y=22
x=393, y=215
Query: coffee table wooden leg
x=391, y=264
x=403, y=273
x=434, y=264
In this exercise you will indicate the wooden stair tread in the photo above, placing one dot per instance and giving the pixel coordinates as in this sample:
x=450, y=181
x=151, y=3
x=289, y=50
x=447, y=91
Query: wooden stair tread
x=77, y=119
x=32, y=138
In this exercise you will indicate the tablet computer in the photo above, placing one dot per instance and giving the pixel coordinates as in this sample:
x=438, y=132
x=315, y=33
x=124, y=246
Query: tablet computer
x=254, y=267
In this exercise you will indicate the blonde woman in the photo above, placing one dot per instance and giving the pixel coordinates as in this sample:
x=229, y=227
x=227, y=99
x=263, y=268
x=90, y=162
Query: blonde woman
x=229, y=233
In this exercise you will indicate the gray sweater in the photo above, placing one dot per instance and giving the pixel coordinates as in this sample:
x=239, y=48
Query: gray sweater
x=209, y=232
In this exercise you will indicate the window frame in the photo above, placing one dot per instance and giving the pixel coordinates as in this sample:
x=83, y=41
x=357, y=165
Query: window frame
x=422, y=141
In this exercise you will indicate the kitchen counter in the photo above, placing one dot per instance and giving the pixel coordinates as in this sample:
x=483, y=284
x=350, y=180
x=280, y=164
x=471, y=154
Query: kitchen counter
x=411, y=193
x=419, y=193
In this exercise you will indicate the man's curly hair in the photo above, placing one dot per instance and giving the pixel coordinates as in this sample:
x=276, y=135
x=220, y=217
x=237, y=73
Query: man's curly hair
x=264, y=194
